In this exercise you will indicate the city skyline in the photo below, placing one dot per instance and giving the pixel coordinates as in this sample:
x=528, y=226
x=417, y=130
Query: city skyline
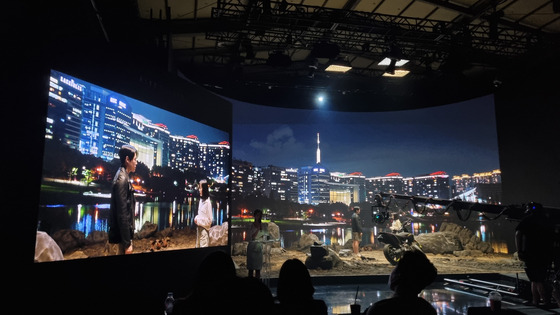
x=178, y=125
x=459, y=138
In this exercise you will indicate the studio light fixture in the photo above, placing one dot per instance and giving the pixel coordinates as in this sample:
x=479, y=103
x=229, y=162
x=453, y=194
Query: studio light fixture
x=339, y=65
x=396, y=73
x=398, y=62
x=393, y=60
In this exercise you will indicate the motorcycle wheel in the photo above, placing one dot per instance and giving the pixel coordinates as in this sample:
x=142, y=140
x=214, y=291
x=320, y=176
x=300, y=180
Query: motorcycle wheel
x=392, y=254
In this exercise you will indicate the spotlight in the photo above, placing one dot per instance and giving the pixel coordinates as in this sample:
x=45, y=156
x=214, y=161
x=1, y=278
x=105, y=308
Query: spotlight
x=320, y=99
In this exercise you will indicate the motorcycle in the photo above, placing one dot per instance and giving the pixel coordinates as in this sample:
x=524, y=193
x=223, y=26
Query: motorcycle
x=397, y=243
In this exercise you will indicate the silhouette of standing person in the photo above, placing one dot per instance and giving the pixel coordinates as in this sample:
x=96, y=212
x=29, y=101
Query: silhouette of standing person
x=215, y=278
x=121, y=219
x=534, y=237
x=357, y=231
x=255, y=246
x=295, y=290
x=411, y=275
x=203, y=219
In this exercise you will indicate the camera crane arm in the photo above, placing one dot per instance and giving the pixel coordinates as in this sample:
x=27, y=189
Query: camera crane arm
x=380, y=209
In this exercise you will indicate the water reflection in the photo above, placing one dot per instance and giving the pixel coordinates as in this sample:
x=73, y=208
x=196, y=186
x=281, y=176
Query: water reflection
x=499, y=233
x=445, y=300
x=94, y=217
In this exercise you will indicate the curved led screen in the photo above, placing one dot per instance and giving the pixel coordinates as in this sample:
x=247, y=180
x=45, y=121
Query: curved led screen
x=86, y=125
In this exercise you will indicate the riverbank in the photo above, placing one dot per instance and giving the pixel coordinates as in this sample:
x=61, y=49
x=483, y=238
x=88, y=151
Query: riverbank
x=373, y=262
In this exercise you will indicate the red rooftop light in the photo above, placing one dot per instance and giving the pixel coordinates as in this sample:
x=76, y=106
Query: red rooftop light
x=438, y=173
x=161, y=126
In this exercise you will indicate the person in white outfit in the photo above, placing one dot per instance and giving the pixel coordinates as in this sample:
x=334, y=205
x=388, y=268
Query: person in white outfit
x=203, y=219
x=255, y=246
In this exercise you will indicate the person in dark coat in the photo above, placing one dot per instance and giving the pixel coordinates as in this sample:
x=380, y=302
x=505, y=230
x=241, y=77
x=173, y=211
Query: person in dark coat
x=121, y=218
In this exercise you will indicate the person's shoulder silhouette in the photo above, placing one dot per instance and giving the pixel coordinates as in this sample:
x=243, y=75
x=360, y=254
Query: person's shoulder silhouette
x=412, y=274
x=215, y=277
x=258, y=297
x=295, y=290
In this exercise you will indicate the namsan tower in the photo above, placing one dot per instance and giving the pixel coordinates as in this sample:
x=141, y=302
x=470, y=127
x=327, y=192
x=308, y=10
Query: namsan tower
x=318, y=150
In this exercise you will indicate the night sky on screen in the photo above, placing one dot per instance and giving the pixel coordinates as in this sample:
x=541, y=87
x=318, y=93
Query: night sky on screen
x=458, y=138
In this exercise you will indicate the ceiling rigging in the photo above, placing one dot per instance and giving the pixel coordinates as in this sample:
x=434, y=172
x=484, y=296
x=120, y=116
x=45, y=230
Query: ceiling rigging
x=277, y=52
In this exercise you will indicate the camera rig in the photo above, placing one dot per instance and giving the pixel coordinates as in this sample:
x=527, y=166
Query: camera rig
x=383, y=202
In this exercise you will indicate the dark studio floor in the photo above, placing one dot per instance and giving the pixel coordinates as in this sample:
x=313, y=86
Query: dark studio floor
x=450, y=295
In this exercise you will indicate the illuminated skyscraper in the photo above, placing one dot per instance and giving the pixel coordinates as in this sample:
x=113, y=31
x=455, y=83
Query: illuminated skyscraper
x=313, y=182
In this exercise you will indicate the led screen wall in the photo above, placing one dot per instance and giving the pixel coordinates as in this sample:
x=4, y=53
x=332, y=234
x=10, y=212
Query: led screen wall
x=308, y=168
x=86, y=124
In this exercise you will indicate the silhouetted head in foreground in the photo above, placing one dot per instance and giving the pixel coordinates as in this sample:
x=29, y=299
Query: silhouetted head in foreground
x=294, y=282
x=412, y=274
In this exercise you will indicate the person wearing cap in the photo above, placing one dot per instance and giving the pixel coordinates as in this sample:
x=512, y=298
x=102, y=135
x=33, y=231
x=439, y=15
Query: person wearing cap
x=121, y=218
x=203, y=219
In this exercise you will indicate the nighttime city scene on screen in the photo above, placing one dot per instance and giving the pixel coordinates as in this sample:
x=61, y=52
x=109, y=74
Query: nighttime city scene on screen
x=307, y=170
x=85, y=128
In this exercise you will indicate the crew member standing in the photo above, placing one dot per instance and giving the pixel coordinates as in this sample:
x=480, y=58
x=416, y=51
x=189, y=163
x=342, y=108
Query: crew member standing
x=356, y=231
x=534, y=241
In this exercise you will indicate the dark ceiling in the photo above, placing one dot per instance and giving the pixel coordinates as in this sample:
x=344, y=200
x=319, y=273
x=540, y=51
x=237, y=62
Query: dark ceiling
x=275, y=52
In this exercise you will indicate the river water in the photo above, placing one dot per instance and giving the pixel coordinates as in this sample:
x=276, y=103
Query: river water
x=93, y=217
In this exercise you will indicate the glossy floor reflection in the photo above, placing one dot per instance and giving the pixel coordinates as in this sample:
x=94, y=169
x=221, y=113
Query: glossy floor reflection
x=448, y=298
x=445, y=300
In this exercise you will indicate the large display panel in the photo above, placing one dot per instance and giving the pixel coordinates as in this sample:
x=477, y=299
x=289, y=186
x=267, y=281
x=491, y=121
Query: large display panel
x=309, y=169
x=86, y=124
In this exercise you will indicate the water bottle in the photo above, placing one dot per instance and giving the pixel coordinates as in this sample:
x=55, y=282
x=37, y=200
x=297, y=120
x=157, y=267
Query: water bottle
x=169, y=301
